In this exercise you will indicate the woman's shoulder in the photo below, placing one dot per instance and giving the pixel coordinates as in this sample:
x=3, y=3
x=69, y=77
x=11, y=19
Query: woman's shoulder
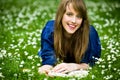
x=92, y=28
x=49, y=27
x=50, y=24
x=93, y=31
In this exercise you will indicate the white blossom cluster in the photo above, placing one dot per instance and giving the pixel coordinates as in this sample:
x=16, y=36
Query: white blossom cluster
x=78, y=73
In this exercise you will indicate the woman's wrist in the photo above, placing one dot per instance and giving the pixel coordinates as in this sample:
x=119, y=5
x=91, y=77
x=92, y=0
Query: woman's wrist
x=83, y=66
x=80, y=66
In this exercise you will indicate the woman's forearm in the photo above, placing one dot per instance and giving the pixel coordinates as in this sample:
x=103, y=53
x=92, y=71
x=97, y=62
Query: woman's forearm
x=80, y=66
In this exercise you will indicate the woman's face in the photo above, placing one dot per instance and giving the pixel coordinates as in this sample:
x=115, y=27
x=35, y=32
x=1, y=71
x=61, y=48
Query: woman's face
x=71, y=20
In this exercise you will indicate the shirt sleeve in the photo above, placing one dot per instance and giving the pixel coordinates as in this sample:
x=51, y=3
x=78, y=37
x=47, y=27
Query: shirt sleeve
x=47, y=48
x=93, y=51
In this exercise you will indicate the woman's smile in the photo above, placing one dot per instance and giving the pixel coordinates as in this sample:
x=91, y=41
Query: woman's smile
x=71, y=26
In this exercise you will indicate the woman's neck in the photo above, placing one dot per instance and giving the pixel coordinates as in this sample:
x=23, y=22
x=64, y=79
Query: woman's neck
x=66, y=35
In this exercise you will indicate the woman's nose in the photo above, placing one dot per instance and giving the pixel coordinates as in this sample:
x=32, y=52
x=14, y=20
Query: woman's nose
x=74, y=19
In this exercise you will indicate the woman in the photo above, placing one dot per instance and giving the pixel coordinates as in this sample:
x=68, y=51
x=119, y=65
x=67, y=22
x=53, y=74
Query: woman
x=69, y=39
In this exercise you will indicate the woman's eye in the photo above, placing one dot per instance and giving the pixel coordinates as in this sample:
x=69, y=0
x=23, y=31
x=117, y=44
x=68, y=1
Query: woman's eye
x=79, y=16
x=69, y=14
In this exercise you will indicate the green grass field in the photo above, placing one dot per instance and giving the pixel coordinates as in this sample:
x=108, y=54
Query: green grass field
x=21, y=23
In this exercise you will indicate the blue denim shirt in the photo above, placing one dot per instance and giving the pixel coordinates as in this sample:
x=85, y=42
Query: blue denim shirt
x=47, y=52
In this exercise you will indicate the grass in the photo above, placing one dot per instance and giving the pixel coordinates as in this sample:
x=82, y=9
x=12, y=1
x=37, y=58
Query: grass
x=21, y=23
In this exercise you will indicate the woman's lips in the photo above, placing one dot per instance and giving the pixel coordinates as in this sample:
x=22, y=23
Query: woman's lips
x=72, y=26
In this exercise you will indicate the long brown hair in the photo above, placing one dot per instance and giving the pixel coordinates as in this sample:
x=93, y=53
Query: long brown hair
x=79, y=40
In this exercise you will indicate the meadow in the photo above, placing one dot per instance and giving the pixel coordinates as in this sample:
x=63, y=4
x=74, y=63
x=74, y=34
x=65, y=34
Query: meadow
x=21, y=24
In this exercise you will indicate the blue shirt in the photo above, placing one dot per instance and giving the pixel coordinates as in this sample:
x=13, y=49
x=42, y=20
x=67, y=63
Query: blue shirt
x=47, y=52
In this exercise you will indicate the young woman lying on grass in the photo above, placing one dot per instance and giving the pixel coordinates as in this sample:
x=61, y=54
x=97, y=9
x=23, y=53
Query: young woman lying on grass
x=70, y=39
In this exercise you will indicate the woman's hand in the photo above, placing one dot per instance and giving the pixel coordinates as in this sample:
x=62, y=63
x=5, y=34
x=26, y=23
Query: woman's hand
x=68, y=67
x=45, y=69
x=64, y=67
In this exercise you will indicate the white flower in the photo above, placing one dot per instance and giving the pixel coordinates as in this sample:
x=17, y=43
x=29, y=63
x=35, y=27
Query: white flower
x=108, y=57
x=18, y=55
x=26, y=53
x=93, y=76
x=45, y=79
x=16, y=49
x=103, y=66
x=26, y=70
x=36, y=56
x=117, y=43
x=102, y=72
x=19, y=24
x=22, y=62
x=97, y=62
x=20, y=65
x=15, y=74
x=114, y=69
x=30, y=74
x=1, y=56
x=33, y=67
x=3, y=53
x=24, y=46
x=109, y=66
x=30, y=57
x=100, y=59
x=105, y=37
x=9, y=54
x=38, y=64
x=1, y=75
x=34, y=46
